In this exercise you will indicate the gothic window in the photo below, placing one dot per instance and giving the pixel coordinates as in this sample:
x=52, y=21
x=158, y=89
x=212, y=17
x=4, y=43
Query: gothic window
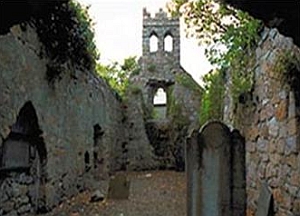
x=160, y=97
x=153, y=43
x=160, y=104
x=168, y=43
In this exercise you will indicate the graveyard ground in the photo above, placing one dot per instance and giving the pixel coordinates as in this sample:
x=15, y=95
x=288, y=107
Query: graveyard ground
x=156, y=193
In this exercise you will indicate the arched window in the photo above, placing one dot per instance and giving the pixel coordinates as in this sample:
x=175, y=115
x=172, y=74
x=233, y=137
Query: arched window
x=160, y=97
x=168, y=43
x=160, y=104
x=153, y=43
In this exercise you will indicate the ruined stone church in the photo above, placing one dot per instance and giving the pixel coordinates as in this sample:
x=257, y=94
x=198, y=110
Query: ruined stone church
x=59, y=138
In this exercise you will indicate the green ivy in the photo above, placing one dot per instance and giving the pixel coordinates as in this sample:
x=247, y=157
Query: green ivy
x=212, y=97
x=230, y=36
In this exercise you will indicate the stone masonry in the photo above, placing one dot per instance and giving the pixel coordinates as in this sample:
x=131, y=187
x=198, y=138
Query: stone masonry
x=270, y=122
x=161, y=69
x=69, y=115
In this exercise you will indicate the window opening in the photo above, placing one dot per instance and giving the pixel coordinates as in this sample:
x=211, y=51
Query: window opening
x=153, y=43
x=168, y=43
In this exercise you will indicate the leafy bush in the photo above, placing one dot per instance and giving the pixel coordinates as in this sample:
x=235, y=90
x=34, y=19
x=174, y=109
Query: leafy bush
x=67, y=34
x=117, y=75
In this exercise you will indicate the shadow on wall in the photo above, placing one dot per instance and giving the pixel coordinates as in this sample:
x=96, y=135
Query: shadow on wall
x=24, y=151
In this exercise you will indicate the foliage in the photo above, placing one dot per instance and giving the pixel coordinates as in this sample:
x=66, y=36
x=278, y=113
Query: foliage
x=286, y=61
x=287, y=70
x=228, y=34
x=212, y=97
x=117, y=75
x=67, y=34
x=174, y=111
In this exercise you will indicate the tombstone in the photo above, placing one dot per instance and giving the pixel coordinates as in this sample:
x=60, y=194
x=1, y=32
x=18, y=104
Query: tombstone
x=215, y=172
x=118, y=187
x=264, y=207
x=15, y=156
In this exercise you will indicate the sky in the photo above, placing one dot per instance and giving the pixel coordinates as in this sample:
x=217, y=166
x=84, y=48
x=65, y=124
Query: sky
x=118, y=33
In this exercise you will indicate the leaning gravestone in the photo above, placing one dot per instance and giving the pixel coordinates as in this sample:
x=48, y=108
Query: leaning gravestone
x=213, y=183
x=118, y=187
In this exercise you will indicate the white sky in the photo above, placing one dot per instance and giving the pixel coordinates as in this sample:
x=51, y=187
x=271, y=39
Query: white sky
x=118, y=29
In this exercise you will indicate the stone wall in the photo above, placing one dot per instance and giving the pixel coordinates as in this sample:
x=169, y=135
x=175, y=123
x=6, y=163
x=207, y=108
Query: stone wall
x=270, y=123
x=69, y=113
x=159, y=142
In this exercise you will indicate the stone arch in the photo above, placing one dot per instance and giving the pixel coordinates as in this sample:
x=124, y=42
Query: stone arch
x=153, y=42
x=168, y=42
x=24, y=150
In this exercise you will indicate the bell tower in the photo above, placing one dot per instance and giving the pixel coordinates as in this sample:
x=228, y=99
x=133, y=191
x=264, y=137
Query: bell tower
x=161, y=41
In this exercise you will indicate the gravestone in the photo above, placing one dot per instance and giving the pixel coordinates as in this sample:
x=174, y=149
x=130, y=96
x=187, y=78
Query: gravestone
x=264, y=201
x=215, y=172
x=16, y=155
x=119, y=187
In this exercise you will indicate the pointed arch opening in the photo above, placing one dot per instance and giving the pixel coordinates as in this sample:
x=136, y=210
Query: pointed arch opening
x=24, y=151
x=160, y=104
x=168, y=43
x=153, y=42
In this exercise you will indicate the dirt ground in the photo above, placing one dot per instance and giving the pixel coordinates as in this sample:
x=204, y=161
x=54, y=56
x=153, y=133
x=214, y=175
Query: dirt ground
x=158, y=193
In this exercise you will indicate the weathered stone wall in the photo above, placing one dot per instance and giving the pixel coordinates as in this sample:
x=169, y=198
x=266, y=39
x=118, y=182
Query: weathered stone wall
x=162, y=139
x=67, y=113
x=270, y=123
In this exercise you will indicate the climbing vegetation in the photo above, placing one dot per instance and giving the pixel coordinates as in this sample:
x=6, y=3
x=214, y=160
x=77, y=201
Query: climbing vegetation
x=117, y=75
x=212, y=97
x=68, y=37
x=287, y=70
x=229, y=36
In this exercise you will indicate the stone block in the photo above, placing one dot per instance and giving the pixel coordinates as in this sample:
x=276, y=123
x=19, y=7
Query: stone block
x=278, y=196
x=262, y=145
x=281, y=110
x=295, y=179
x=296, y=207
x=264, y=131
x=118, y=187
x=292, y=161
x=253, y=134
x=251, y=147
x=271, y=170
x=291, y=145
x=280, y=146
x=273, y=127
x=292, y=127
x=275, y=158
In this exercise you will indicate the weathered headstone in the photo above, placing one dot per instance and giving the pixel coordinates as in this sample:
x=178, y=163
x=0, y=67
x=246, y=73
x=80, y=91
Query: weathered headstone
x=119, y=187
x=215, y=172
x=193, y=173
x=264, y=201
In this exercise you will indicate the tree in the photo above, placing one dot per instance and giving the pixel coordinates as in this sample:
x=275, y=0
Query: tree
x=229, y=36
x=227, y=33
x=117, y=75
